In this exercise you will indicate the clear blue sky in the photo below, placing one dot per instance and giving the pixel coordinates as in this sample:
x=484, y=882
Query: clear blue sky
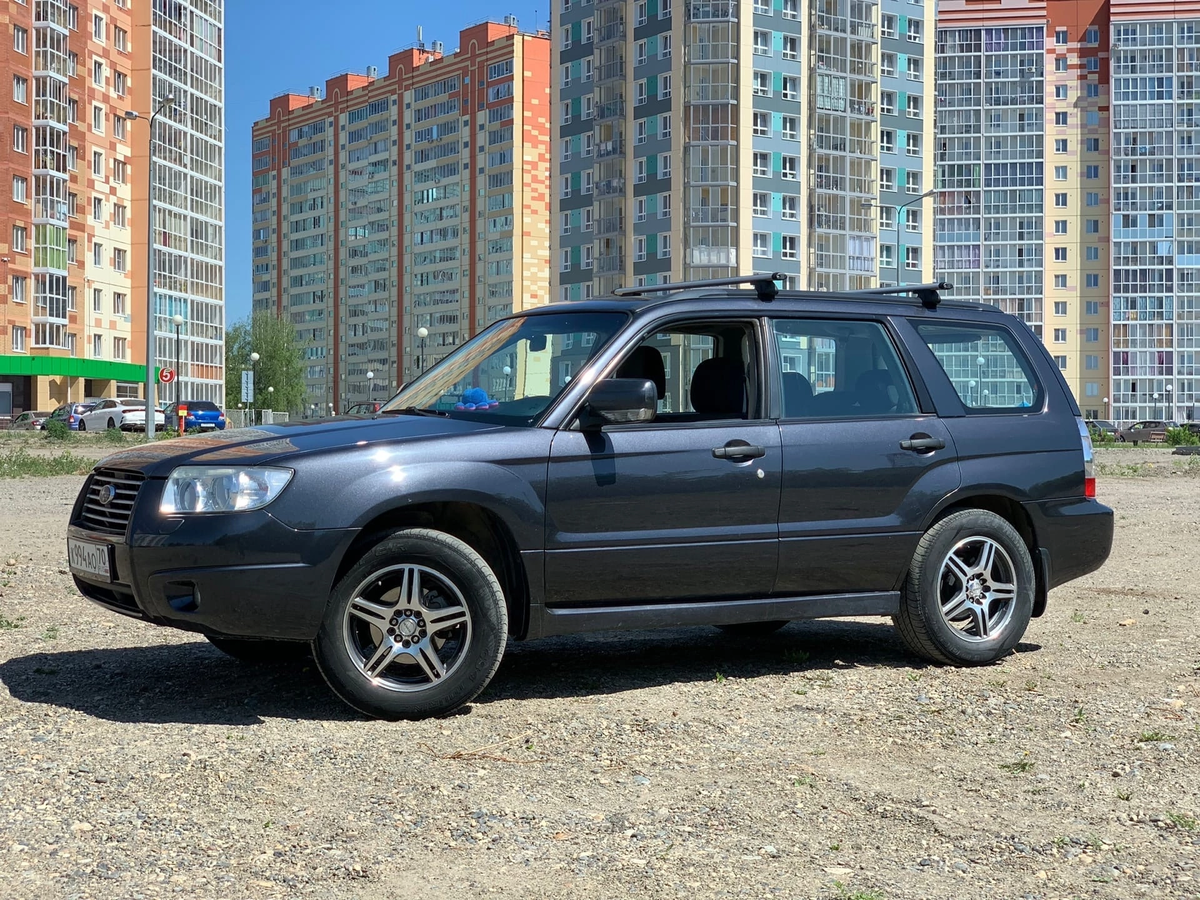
x=274, y=47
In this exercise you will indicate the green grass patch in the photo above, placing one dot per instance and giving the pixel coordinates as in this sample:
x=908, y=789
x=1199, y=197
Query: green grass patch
x=20, y=463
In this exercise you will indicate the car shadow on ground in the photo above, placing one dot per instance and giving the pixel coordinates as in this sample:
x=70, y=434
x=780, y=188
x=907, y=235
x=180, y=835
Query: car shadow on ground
x=197, y=684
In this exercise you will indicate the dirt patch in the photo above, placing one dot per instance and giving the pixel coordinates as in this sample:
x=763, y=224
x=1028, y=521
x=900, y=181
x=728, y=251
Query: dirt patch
x=821, y=762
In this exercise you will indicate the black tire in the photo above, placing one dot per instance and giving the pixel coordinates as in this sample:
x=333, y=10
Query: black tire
x=753, y=629
x=112, y=424
x=82, y=425
x=260, y=652
x=932, y=591
x=374, y=606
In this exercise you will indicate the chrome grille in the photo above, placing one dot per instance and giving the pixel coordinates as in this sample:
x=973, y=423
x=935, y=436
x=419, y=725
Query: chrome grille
x=112, y=516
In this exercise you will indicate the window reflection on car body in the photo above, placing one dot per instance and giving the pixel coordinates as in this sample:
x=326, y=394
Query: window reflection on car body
x=413, y=411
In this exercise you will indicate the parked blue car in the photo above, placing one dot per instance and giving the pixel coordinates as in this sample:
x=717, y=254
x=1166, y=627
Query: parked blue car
x=69, y=413
x=202, y=414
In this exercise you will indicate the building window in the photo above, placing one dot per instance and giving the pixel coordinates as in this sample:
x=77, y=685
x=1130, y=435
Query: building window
x=97, y=346
x=588, y=221
x=791, y=9
x=913, y=185
x=1060, y=173
x=97, y=254
x=1060, y=92
x=97, y=300
x=1060, y=145
x=762, y=244
x=761, y=165
x=20, y=39
x=789, y=207
x=98, y=73
x=791, y=47
x=119, y=348
x=1061, y=362
x=1060, y=335
x=762, y=84
x=887, y=64
x=20, y=189
x=120, y=171
x=912, y=144
x=791, y=88
x=914, y=29
x=664, y=46
x=1091, y=226
x=914, y=68
x=564, y=223
x=1092, y=89
x=1091, y=307
x=564, y=189
x=1091, y=361
x=119, y=260
x=565, y=112
x=119, y=126
x=664, y=9
x=20, y=139
x=664, y=87
x=762, y=124
x=97, y=163
x=912, y=257
x=791, y=167
x=120, y=305
x=887, y=102
x=1060, y=64
x=1060, y=254
x=639, y=13
x=1060, y=226
x=762, y=43
x=589, y=108
x=20, y=89
x=588, y=261
x=639, y=53
x=1060, y=118
x=664, y=165
x=1092, y=64
x=1060, y=35
x=887, y=141
x=664, y=206
x=98, y=30
x=887, y=179
x=760, y=203
x=18, y=338
x=564, y=150
x=887, y=214
x=664, y=126
x=121, y=39
x=565, y=76
x=664, y=245
x=1092, y=35
x=639, y=171
x=1091, y=335
x=1092, y=145
x=20, y=288
x=72, y=251
x=1060, y=201
x=1060, y=307
x=639, y=248
x=788, y=246
x=564, y=260
x=1091, y=279
x=913, y=110
x=1092, y=198
x=762, y=7
x=886, y=260
x=639, y=209
x=98, y=119
x=588, y=182
x=887, y=26
x=19, y=239
x=1060, y=282
x=97, y=209
x=790, y=128
x=912, y=220
x=564, y=38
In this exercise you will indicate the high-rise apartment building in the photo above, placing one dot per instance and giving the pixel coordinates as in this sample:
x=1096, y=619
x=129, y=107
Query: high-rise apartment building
x=74, y=231
x=399, y=214
x=701, y=138
x=1066, y=187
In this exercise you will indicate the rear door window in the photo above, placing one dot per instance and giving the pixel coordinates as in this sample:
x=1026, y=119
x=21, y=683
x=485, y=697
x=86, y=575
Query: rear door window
x=840, y=369
x=985, y=364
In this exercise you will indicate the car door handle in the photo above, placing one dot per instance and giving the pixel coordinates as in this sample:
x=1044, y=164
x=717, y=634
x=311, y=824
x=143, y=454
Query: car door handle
x=922, y=444
x=738, y=450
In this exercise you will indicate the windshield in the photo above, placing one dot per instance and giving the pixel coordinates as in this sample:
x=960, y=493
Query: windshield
x=513, y=371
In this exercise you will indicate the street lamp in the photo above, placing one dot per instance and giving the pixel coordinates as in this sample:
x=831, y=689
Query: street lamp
x=151, y=337
x=508, y=381
x=254, y=358
x=371, y=387
x=177, y=321
x=271, y=401
x=871, y=204
x=422, y=333
x=1169, y=412
x=1156, y=405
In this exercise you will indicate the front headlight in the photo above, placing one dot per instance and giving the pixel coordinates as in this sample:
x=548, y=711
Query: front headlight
x=206, y=489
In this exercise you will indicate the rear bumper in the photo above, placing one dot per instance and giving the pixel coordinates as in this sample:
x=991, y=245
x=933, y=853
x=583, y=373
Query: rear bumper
x=241, y=575
x=1075, y=536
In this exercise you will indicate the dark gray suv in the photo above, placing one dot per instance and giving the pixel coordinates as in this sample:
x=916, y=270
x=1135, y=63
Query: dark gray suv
x=712, y=455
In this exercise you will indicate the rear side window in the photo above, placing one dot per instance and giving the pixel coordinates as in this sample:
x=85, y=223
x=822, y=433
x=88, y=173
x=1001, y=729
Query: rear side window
x=985, y=364
x=839, y=369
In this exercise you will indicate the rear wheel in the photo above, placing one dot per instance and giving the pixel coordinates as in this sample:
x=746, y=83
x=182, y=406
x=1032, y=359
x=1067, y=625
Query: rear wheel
x=415, y=629
x=259, y=652
x=82, y=425
x=969, y=593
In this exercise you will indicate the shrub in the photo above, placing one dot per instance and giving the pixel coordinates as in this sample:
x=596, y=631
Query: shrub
x=1182, y=437
x=57, y=430
x=114, y=436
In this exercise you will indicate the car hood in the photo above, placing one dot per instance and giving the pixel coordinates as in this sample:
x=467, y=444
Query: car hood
x=265, y=444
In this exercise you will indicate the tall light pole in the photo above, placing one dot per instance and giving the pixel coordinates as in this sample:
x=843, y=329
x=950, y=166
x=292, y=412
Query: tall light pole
x=151, y=337
x=870, y=204
x=1169, y=412
x=422, y=333
x=254, y=358
x=371, y=387
x=177, y=321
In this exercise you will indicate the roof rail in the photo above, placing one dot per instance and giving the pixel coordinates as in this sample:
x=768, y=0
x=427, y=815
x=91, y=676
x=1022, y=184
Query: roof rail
x=763, y=283
x=926, y=293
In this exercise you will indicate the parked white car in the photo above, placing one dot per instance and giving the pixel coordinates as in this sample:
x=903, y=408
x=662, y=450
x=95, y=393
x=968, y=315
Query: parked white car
x=114, y=413
x=135, y=420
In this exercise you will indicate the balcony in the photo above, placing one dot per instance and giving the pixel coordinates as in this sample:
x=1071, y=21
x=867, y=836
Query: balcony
x=613, y=71
x=610, y=225
x=614, y=109
x=613, y=31
x=610, y=187
x=712, y=11
x=609, y=263
x=605, y=149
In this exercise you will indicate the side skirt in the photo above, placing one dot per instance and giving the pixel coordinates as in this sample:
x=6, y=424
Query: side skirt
x=546, y=622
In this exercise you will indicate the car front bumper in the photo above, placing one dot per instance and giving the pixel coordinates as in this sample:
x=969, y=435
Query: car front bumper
x=237, y=575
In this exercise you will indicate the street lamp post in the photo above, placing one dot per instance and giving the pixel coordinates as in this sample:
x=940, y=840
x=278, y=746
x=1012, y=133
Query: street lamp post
x=1156, y=405
x=151, y=336
x=177, y=321
x=422, y=333
x=254, y=358
x=870, y=204
x=1169, y=412
x=371, y=387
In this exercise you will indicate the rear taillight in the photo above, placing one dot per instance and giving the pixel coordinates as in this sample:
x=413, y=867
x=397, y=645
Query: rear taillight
x=71, y=421
x=1089, y=460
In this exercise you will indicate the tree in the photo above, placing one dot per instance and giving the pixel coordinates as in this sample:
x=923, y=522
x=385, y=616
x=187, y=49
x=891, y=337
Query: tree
x=280, y=364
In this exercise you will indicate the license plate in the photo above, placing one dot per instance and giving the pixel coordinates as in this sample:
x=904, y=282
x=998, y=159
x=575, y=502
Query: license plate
x=88, y=558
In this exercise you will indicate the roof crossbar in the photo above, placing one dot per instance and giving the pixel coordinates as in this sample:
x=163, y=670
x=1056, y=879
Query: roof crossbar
x=926, y=293
x=764, y=284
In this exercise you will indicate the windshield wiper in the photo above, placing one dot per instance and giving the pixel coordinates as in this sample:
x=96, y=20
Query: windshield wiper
x=415, y=411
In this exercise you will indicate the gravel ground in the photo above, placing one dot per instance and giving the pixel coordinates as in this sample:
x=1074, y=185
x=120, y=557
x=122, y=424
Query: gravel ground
x=822, y=762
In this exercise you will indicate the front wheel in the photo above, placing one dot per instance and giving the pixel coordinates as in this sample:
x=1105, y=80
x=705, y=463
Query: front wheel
x=112, y=424
x=415, y=629
x=969, y=593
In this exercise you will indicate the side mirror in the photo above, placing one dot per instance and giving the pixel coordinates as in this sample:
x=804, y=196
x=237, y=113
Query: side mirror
x=620, y=401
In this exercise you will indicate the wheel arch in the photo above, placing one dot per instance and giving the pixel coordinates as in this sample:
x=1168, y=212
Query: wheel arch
x=475, y=525
x=1013, y=512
